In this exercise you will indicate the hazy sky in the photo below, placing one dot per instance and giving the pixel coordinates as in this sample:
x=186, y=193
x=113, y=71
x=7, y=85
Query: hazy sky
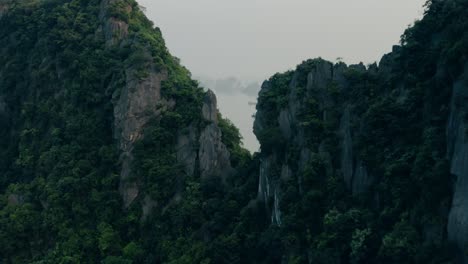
x=253, y=39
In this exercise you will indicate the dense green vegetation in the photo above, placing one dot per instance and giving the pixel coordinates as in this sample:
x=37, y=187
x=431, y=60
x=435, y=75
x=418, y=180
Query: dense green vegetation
x=60, y=163
x=405, y=153
x=400, y=115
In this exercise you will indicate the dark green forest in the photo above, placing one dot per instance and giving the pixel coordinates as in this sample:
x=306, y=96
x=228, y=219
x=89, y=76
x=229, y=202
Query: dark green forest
x=358, y=164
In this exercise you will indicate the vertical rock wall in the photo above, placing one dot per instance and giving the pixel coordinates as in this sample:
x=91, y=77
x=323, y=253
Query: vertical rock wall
x=140, y=101
x=319, y=79
x=457, y=141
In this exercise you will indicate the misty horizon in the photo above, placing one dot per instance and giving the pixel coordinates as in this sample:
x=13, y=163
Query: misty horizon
x=251, y=40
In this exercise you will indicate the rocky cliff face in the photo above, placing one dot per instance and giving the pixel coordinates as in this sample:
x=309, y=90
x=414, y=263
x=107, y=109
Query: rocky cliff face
x=2, y=106
x=213, y=155
x=4, y=6
x=394, y=134
x=111, y=153
x=457, y=143
x=137, y=102
x=310, y=88
x=140, y=100
x=101, y=127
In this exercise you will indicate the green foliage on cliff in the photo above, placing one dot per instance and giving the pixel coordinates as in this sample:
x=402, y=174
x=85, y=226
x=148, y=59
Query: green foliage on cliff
x=59, y=168
x=60, y=164
x=59, y=179
x=232, y=138
x=399, y=112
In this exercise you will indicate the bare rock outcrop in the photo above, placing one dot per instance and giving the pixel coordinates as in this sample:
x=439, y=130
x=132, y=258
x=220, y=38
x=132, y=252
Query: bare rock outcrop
x=140, y=100
x=137, y=102
x=213, y=155
x=314, y=80
x=115, y=30
x=3, y=9
x=187, y=148
x=5, y=6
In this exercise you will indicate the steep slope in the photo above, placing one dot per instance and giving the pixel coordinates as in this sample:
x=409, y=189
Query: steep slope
x=101, y=130
x=111, y=153
x=357, y=162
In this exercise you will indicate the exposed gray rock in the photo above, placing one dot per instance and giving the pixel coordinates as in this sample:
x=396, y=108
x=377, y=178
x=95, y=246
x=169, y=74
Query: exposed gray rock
x=285, y=123
x=457, y=142
x=347, y=159
x=287, y=119
x=210, y=107
x=129, y=192
x=323, y=78
x=304, y=159
x=286, y=172
x=135, y=103
x=15, y=199
x=3, y=9
x=403, y=94
x=294, y=102
x=354, y=171
x=320, y=76
x=326, y=157
x=5, y=5
x=3, y=106
x=339, y=75
x=138, y=102
x=276, y=213
x=268, y=188
x=362, y=181
x=187, y=149
x=114, y=29
x=148, y=206
x=213, y=155
x=264, y=187
x=319, y=82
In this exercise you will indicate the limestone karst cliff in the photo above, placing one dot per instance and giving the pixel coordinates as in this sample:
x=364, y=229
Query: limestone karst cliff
x=141, y=99
x=392, y=134
x=102, y=129
x=111, y=153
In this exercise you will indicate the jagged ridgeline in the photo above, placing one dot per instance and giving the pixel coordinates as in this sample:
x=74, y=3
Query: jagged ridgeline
x=109, y=151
